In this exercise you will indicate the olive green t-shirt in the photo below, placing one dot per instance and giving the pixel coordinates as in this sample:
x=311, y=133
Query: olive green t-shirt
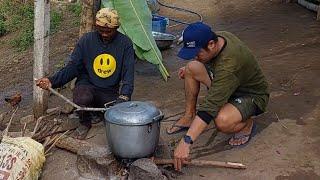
x=236, y=73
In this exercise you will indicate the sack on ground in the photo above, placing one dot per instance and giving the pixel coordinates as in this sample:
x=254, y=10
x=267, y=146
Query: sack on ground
x=20, y=158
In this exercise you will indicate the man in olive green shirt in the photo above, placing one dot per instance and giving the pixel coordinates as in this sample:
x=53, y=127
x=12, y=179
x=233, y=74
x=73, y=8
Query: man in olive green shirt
x=237, y=88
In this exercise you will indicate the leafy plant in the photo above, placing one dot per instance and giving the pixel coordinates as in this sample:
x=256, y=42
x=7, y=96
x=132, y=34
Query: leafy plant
x=3, y=29
x=55, y=20
x=75, y=9
x=24, y=40
x=136, y=24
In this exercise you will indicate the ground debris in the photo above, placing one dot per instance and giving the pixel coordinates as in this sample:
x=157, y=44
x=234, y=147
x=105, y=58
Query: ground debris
x=55, y=110
x=67, y=109
x=27, y=119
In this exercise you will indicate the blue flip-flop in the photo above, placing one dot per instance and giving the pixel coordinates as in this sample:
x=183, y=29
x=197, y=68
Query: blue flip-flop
x=180, y=129
x=240, y=136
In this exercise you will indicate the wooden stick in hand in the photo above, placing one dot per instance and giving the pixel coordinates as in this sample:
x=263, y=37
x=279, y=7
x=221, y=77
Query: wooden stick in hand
x=78, y=108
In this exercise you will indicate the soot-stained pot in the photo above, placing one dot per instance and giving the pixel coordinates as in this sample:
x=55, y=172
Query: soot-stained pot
x=133, y=129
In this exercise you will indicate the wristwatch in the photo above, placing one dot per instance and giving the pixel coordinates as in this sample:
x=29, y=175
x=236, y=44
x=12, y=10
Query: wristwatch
x=187, y=139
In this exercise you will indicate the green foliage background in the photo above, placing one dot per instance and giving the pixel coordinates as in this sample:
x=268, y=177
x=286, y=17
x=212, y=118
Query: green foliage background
x=18, y=17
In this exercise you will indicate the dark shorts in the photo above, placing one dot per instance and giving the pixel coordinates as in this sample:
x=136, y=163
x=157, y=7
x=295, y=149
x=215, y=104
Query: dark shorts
x=87, y=95
x=246, y=106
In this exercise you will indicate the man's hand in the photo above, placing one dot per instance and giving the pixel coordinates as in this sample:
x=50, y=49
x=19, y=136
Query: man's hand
x=44, y=83
x=181, y=72
x=181, y=155
x=121, y=99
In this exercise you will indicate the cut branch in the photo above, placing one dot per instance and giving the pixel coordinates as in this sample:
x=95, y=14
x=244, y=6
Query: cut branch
x=203, y=163
x=5, y=133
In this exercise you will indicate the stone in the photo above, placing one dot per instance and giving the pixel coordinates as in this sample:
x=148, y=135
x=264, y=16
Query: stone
x=96, y=162
x=144, y=168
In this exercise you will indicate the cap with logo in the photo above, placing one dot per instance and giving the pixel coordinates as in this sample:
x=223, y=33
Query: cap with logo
x=195, y=36
x=107, y=17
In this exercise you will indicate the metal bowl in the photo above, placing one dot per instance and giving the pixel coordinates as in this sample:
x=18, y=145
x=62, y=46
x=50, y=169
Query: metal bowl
x=163, y=40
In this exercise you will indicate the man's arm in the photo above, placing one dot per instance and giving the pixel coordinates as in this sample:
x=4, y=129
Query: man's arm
x=223, y=86
x=71, y=70
x=127, y=75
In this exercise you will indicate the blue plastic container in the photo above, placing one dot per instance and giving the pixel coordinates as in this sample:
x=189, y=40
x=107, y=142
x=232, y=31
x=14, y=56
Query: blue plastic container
x=159, y=23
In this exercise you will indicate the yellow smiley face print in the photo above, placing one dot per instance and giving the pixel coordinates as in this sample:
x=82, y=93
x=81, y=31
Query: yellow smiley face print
x=104, y=65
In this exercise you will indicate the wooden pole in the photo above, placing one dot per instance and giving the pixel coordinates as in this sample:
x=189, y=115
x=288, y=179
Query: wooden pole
x=318, y=13
x=41, y=53
x=204, y=163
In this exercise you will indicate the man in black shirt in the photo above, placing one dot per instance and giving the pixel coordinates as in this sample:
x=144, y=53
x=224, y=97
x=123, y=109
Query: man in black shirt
x=101, y=61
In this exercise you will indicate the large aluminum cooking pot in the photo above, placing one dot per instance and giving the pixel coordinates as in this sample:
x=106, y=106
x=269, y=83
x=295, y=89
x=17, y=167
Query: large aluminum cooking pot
x=133, y=129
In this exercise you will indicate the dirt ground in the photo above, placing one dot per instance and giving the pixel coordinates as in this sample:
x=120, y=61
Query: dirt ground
x=284, y=37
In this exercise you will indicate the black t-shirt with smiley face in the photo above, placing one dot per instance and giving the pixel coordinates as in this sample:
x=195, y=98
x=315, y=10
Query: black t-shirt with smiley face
x=101, y=64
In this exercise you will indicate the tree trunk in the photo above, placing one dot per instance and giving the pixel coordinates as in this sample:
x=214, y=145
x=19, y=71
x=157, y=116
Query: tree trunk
x=89, y=10
x=88, y=13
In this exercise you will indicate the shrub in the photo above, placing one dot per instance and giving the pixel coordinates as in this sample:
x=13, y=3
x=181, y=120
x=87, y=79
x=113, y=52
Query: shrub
x=19, y=16
x=23, y=40
x=55, y=20
x=75, y=9
x=3, y=29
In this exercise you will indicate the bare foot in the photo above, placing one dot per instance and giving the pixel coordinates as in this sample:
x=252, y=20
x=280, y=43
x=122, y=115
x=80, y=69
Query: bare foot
x=181, y=125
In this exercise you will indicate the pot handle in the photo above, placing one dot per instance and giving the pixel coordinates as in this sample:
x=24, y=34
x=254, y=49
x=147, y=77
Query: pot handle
x=158, y=117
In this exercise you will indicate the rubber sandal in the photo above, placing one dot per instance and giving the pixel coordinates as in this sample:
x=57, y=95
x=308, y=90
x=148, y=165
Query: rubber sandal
x=180, y=129
x=240, y=136
x=81, y=132
x=95, y=119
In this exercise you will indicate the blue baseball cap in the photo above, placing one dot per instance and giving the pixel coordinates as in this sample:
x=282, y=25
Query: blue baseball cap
x=195, y=36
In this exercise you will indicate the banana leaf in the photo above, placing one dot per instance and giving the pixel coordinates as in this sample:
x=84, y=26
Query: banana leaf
x=136, y=23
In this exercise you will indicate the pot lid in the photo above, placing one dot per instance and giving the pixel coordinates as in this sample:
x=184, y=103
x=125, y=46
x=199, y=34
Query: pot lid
x=133, y=113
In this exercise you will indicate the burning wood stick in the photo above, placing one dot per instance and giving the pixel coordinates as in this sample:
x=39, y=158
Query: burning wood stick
x=204, y=163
